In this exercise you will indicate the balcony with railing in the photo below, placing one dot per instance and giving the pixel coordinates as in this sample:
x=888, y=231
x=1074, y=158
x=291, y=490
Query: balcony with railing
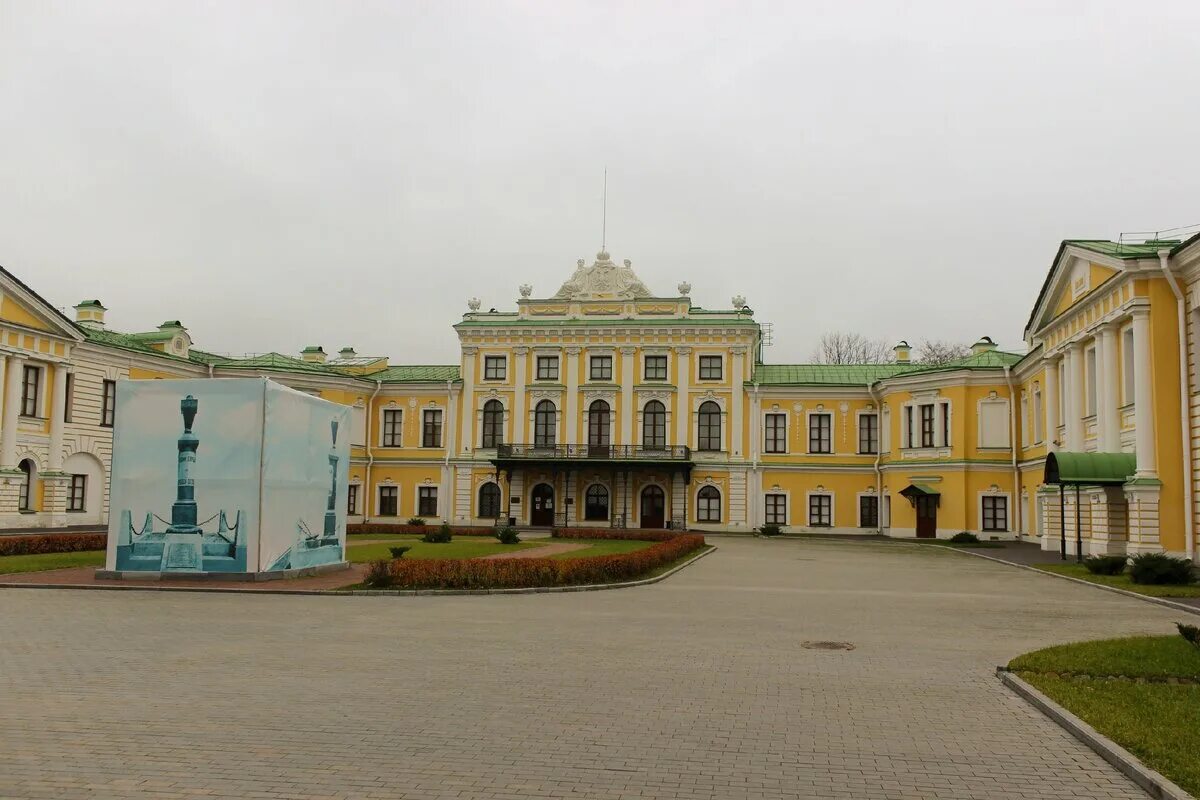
x=591, y=452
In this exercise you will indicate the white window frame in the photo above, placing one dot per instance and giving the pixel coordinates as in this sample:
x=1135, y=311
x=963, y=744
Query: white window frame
x=483, y=378
x=1006, y=432
x=858, y=417
x=612, y=367
x=437, y=496
x=648, y=354
x=640, y=421
x=1039, y=410
x=1008, y=511
x=710, y=354
x=787, y=432
x=1128, y=368
x=808, y=434
x=808, y=496
x=787, y=507
x=1026, y=433
x=383, y=416
x=537, y=367
x=442, y=432
x=720, y=504
x=379, y=498
x=504, y=433
x=1091, y=386
x=878, y=510
x=722, y=415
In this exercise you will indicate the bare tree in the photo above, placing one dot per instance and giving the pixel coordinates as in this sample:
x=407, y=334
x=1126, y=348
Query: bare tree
x=935, y=352
x=839, y=347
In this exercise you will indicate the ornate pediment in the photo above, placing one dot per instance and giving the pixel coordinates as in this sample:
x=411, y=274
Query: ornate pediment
x=603, y=280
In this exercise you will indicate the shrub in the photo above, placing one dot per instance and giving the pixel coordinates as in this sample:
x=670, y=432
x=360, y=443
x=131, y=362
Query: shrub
x=964, y=538
x=51, y=543
x=398, y=552
x=508, y=535
x=362, y=528
x=511, y=573
x=1105, y=565
x=770, y=530
x=441, y=536
x=636, y=535
x=1190, y=633
x=417, y=522
x=1160, y=568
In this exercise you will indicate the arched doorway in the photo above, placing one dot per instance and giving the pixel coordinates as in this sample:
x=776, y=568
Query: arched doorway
x=654, y=507
x=541, y=505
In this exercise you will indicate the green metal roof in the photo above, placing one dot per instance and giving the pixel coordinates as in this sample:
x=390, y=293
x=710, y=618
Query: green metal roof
x=1148, y=249
x=1089, y=468
x=416, y=374
x=682, y=322
x=919, y=489
x=825, y=374
x=276, y=361
x=988, y=359
x=125, y=341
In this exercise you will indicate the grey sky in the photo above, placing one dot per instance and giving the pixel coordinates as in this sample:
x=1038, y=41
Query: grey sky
x=278, y=175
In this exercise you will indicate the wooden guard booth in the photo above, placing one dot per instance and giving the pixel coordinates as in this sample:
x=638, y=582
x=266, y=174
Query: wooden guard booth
x=1078, y=470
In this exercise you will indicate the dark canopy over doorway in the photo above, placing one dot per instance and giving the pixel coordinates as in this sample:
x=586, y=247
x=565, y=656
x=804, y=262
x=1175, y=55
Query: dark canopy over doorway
x=1083, y=469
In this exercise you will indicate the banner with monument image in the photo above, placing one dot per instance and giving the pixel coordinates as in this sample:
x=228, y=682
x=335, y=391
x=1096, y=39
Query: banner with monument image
x=226, y=476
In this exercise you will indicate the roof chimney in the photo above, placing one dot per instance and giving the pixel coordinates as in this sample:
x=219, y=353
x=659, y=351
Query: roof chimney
x=983, y=345
x=903, y=352
x=314, y=354
x=347, y=352
x=90, y=313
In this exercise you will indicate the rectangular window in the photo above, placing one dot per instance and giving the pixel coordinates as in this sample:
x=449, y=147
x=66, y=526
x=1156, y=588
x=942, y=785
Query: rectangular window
x=776, y=433
x=820, y=433
x=352, y=500
x=995, y=513
x=547, y=368
x=1062, y=394
x=108, y=408
x=387, y=500
x=710, y=368
x=927, y=425
x=77, y=500
x=431, y=427
x=495, y=368
x=908, y=426
x=427, y=501
x=868, y=511
x=70, y=401
x=1038, y=421
x=1127, y=377
x=820, y=510
x=1089, y=364
x=601, y=368
x=392, y=426
x=31, y=384
x=776, y=509
x=868, y=433
x=946, y=425
x=656, y=368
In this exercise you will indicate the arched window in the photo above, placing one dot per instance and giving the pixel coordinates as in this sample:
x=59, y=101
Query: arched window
x=598, y=424
x=595, y=505
x=25, y=491
x=654, y=426
x=493, y=423
x=709, y=435
x=489, y=501
x=708, y=504
x=543, y=424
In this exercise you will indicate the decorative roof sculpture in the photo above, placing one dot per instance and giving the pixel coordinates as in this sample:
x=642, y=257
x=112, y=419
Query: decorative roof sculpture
x=603, y=280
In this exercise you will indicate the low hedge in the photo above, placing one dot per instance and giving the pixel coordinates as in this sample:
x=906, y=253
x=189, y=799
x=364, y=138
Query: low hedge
x=516, y=573
x=634, y=534
x=51, y=543
x=417, y=530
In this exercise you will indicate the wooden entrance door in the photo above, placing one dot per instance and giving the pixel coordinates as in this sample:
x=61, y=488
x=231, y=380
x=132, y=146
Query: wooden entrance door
x=541, y=505
x=654, y=507
x=926, y=517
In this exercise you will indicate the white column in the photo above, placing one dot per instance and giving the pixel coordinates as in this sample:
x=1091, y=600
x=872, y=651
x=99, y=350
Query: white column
x=1050, y=404
x=1108, y=389
x=469, y=435
x=627, y=365
x=518, y=404
x=58, y=410
x=683, y=414
x=571, y=364
x=735, y=418
x=939, y=424
x=1143, y=396
x=1075, y=397
x=12, y=405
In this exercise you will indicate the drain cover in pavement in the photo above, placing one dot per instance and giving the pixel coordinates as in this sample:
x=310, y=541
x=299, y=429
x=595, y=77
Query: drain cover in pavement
x=827, y=646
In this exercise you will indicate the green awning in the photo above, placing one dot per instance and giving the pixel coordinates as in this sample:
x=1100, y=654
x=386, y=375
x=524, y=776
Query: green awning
x=1095, y=469
x=919, y=490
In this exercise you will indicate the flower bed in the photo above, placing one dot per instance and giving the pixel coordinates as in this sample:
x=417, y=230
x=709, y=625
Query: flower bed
x=416, y=530
x=51, y=543
x=635, y=534
x=528, y=572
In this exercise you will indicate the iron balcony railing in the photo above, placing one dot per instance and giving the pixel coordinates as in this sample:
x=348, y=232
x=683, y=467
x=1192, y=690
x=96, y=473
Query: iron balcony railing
x=604, y=452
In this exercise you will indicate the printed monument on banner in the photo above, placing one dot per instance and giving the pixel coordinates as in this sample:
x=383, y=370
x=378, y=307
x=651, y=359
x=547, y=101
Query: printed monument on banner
x=313, y=549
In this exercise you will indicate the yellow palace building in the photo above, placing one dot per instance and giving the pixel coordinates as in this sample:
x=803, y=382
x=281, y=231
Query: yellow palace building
x=606, y=404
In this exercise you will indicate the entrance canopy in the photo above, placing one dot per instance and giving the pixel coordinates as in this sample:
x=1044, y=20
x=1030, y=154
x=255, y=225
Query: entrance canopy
x=1089, y=469
x=915, y=490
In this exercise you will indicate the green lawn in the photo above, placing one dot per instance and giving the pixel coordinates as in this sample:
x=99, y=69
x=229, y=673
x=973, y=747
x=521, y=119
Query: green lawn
x=460, y=547
x=44, y=561
x=1158, y=722
x=1121, y=581
x=602, y=547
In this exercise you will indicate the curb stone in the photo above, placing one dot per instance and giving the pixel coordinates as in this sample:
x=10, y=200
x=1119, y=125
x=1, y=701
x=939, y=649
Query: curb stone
x=1154, y=783
x=158, y=587
x=1161, y=601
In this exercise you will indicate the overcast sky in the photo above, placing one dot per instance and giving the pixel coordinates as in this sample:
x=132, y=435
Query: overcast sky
x=345, y=173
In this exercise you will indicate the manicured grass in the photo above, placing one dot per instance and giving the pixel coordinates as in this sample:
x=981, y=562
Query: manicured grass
x=1159, y=722
x=1134, y=657
x=601, y=547
x=460, y=547
x=1122, y=581
x=45, y=561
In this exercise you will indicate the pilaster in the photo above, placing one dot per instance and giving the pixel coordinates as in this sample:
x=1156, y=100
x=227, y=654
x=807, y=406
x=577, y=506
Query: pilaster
x=1143, y=397
x=520, y=356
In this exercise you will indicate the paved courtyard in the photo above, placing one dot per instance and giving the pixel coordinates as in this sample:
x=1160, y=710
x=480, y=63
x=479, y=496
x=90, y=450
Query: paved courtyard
x=696, y=687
